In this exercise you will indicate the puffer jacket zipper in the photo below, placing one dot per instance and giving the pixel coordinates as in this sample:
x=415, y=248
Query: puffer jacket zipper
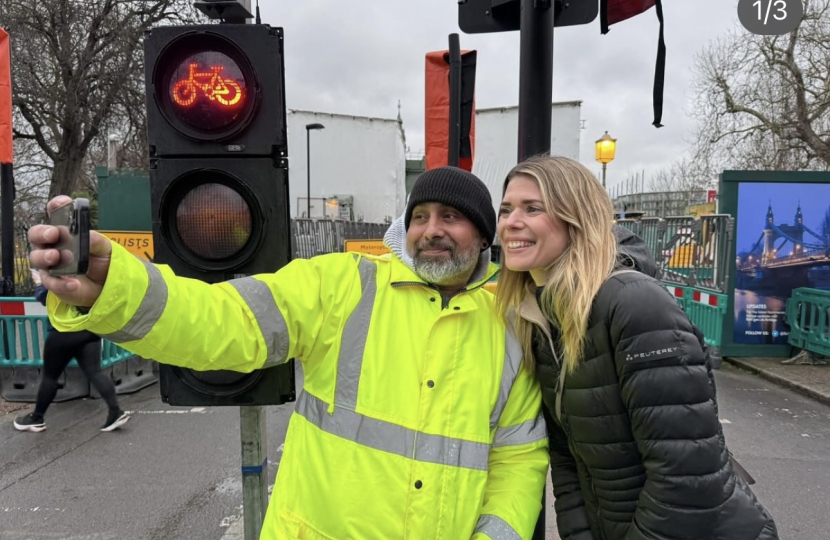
x=529, y=310
x=596, y=504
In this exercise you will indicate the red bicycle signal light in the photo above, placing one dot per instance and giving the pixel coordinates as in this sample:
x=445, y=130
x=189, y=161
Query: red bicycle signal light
x=205, y=87
x=208, y=91
x=213, y=85
x=215, y=89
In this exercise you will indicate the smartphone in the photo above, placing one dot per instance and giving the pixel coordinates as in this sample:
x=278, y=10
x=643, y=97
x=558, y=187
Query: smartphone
x=72, y=220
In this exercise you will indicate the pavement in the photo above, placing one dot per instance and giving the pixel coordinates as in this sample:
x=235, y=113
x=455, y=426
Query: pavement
x=71, y=477
x=812, y=381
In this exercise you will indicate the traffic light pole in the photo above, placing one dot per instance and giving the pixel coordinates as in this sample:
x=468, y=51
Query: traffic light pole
x=254, y=469
x=535, y=96
x=454, y=146
x=254, y=456
x=7, y=202
x=535, y=77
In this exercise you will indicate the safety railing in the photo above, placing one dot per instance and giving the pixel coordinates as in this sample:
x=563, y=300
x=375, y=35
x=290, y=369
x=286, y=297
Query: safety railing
x=312, y=237
x=689, y=251
x=706, y=310
x=23, y=336
x=808, y=314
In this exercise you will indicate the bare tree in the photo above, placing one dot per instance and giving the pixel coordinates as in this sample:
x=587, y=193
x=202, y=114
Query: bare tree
x=684, y=174
x=764, y=101
x=32, y=175
x=78, y=72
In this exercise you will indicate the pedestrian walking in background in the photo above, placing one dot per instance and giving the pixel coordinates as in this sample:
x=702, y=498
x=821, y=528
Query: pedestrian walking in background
x=59, y=349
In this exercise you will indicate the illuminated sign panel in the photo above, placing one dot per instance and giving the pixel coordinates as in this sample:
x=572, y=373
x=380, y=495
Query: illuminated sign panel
x=208, y=91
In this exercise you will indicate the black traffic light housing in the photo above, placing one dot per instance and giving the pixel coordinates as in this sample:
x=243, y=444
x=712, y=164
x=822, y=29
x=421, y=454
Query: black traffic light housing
x=485, y=16
x=216, y=128
x=249, y=58
x=250, y=235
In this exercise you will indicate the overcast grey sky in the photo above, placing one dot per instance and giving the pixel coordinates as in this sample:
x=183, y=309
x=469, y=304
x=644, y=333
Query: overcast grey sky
x=361, y=56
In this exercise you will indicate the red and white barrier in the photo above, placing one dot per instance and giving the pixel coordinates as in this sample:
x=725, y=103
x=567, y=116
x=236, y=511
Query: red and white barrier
x=705, y=298
x=22, y=308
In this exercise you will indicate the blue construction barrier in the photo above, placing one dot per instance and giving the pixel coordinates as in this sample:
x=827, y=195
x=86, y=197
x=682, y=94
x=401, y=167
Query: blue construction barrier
x=808, y=314
x=23, y=328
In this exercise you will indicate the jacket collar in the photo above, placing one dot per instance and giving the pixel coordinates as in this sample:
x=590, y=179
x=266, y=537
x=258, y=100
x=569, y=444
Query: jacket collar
x=529, y=310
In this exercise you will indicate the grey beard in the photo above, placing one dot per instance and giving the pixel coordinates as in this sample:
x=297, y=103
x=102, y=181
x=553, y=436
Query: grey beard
x=444, y=272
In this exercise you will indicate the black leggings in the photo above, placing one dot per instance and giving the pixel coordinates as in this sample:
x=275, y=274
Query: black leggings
x=58, y=351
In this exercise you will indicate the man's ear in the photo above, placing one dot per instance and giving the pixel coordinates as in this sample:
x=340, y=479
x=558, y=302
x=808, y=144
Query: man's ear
x=484, y=245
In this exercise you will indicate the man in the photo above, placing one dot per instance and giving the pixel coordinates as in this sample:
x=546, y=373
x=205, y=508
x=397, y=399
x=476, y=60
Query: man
x=417, y=419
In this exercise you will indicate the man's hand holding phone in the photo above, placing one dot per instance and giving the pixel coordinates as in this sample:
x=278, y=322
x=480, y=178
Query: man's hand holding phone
x=57, y=262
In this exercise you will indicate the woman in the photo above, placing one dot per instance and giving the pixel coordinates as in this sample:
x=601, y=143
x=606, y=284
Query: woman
x=637, y=450
x=58, y=350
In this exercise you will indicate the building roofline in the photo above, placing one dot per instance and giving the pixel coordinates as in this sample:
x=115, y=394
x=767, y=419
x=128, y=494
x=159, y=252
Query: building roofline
x=338, y=115
x=553, y=104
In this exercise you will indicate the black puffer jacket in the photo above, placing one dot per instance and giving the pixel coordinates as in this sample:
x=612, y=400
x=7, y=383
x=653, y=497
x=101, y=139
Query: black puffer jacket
x=639, y=453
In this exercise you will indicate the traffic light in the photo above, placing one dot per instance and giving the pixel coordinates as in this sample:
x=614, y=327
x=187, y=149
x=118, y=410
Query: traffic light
x=216, y=130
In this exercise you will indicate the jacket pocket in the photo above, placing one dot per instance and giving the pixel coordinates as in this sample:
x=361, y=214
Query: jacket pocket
x=295, y=528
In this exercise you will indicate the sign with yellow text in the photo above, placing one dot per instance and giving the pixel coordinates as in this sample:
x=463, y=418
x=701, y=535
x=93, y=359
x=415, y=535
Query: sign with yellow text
x=138, y=243
x=369, y=247
x=698, y=210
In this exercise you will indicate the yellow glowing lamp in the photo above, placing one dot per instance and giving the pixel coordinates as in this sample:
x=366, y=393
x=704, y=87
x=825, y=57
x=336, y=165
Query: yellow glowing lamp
x=606, y=147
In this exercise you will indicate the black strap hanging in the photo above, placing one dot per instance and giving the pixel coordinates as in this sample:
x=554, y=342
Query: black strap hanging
x=603, y=16
x=660, y=67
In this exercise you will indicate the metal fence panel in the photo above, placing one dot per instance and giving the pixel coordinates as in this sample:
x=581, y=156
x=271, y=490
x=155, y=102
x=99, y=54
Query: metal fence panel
x=311, y=237
x=23, y=283
x=632, y=225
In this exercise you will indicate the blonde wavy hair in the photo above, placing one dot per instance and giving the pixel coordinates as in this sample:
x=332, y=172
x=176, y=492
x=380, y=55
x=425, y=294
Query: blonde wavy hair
x=571, y=193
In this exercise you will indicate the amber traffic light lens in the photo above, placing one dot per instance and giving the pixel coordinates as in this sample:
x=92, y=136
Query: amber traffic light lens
x=208, y=91
x=214, y=221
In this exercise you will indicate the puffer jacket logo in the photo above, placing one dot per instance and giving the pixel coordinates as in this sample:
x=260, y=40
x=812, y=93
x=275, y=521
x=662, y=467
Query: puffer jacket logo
x=656, y=354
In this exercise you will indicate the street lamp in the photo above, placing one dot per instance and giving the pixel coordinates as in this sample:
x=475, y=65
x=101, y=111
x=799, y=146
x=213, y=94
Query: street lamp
x=606, y=147
x=308, y=128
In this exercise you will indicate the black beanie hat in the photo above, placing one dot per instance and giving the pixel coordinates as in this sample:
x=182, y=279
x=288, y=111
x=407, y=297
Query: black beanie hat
x=457, y=188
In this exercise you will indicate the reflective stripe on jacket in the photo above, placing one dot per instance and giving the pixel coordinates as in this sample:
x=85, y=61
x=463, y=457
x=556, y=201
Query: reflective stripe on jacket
x=416, y=420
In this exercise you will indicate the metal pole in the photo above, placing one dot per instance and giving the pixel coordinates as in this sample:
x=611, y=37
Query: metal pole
x=254, y=469
x=455, y=102
x=535, y=77
x=603, y=174
x=308, y=170
x=253, y=441
x=7, y=224
x=535, y=96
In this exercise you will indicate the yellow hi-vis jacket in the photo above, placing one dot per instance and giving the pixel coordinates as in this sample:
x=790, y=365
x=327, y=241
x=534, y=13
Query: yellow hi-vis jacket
x=416, y=420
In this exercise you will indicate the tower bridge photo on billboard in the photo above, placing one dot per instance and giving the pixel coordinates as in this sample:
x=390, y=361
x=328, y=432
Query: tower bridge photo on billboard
x=782, y=243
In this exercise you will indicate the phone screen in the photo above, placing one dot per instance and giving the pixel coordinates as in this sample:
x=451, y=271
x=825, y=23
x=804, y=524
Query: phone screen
x=72, y=221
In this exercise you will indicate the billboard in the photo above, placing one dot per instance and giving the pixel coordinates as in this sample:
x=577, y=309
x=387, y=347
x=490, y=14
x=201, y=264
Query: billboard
x=782, y=242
